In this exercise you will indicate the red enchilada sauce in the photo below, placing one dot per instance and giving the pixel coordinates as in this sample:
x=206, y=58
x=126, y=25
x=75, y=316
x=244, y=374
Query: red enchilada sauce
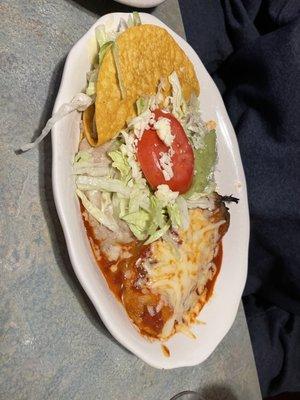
x=122, y=277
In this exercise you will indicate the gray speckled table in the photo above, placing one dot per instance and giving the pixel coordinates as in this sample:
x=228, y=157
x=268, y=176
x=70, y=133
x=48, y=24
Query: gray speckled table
x=53, y=344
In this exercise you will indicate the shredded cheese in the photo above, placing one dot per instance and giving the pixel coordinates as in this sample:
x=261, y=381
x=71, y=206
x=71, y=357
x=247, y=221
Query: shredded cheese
x=166, y=164
x=163, y=130
x=181, y=282
x=142, y=122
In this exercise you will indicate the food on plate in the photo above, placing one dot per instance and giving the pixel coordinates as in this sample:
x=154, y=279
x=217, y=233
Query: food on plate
x=139, y=58
x=144, y=175
x=145, y=179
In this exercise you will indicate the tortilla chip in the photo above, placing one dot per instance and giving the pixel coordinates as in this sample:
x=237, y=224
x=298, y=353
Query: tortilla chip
x=146, y=54
x=88, y=129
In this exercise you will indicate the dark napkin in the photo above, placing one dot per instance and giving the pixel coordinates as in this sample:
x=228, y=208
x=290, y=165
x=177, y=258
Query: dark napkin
x=252, y=50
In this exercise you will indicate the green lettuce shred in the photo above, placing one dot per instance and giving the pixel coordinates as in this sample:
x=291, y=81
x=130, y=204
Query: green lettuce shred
x=174, y=213
x=98, y=214
x=136, y=18
x=137, y=222
x=103, y=50
x=158, y=234
x=115, y=51
x=142, y=104
x=121, y=163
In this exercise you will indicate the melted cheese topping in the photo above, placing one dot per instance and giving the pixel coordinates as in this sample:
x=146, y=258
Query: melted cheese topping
x=179, y=273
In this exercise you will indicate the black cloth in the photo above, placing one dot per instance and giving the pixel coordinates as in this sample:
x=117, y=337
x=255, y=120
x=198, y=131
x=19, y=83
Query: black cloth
x=252, y=50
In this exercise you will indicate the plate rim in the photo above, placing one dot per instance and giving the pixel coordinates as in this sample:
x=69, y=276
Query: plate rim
x=140, y=3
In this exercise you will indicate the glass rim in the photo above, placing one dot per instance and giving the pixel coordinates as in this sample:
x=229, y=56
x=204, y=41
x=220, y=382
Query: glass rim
x=178, y=395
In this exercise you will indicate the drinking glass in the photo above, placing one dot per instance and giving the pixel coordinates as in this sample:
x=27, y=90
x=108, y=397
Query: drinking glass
x=187, y=395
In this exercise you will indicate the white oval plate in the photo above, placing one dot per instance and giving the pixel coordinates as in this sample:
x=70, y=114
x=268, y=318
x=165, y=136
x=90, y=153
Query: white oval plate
x=221, y=310
x=141, y=3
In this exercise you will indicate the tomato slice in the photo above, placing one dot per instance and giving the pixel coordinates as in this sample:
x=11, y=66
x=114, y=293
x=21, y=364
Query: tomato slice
x=148, y=153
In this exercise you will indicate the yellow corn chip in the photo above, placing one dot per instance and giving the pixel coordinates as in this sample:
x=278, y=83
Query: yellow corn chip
x=146, y=53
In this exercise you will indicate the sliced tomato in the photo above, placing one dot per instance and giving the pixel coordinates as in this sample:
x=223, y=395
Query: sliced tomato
x=148, y=153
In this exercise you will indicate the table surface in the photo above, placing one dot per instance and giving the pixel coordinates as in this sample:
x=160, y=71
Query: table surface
x=53, y=345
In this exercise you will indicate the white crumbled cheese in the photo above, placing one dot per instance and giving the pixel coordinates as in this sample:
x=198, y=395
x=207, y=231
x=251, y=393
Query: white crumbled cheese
x=151, y=310
x=128, y=274
x=166, y=195
x=166, y=164
x=126, y=254
x=142, y=122
x=159, y=306
x=171, y=151
x=163, y=130
x=158, y=98
x=114, y=268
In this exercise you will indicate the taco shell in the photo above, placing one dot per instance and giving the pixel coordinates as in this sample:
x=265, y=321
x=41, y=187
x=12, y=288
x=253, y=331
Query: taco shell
x=145, y=54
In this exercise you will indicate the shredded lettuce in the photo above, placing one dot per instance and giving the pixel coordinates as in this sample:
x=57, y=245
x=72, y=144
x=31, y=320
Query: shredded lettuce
x=103, y=184
x=157, y=212
x=83, y=156
x=166, y=195
x=91, y=170
x=122, y=25
x=139, y=198
x=80, y=102
x=201, y=200
x=102, y=217
x=104, y=36
x=184, y=212
x=120, y=161
x=85, y=165
x=105, y=40
x=92, y=82
x=103, y=50
x=137, y=222
x=139, y=219
x=142, y=104
x=137, y=233
x=136, y=18
x=174, y=213
x=146, y=103
x=132, y=20
x=158, y=234
x=119, y=205
x=106, y=202
x=128, y=149
x=115, y=52
x=178, y=102
x=193, y=124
